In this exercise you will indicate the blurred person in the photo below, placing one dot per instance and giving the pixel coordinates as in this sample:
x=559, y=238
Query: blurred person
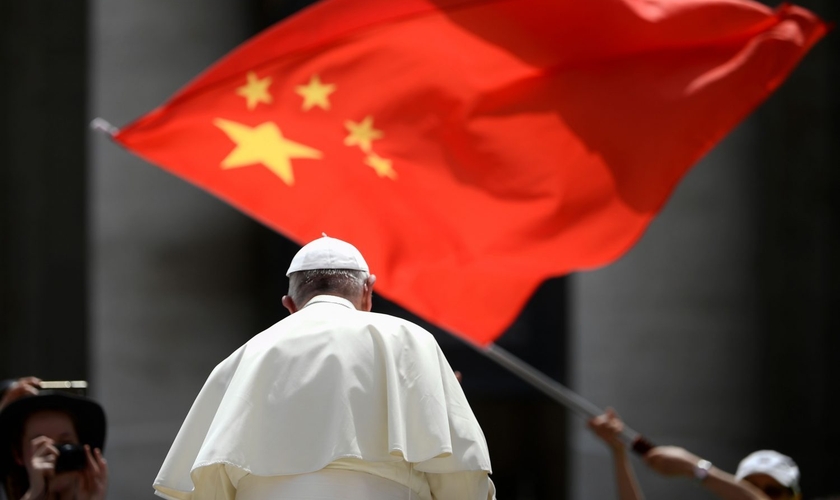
x=14, y=389
x=332, y=402
x=775, y=474
x=51, y=448
x=763, y=475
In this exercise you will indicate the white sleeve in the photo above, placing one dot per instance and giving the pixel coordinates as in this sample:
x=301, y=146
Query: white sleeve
x=468, y=485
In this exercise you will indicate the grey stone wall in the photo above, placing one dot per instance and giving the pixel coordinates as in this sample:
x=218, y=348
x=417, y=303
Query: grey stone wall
x=170, y=264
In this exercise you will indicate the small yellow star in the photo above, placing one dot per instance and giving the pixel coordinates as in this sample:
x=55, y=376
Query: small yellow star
x=263, y=144
x=315, y=93
x=361, y=134
x=382, y=166
x=255, y=91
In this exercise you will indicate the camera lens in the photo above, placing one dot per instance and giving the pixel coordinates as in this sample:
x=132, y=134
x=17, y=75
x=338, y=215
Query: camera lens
x=70, y=457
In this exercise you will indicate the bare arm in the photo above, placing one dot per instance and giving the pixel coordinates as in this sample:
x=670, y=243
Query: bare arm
x=625, y=478
x=675, y=461
x=608, y=427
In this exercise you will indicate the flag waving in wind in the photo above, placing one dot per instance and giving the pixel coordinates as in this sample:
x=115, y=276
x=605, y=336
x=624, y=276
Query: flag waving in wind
x=473, y=148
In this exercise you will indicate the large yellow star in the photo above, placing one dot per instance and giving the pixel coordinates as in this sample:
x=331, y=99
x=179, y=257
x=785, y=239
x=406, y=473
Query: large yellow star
x=382, y=166
x=255, y=91
x=315, y=93
x=263, y=144
x=361, y=134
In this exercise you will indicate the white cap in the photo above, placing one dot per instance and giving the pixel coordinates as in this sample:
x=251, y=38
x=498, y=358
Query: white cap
x=327, y=253
x=780, y=467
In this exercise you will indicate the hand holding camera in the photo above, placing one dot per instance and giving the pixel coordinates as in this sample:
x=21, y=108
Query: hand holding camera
x=50, y=459
x=51, y=444
x=42, y=465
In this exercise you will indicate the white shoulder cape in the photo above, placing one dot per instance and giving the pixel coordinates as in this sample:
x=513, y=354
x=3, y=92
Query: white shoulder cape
x=325, y=383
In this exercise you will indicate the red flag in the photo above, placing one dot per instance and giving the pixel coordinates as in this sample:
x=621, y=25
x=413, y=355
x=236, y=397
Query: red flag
x=473, y=148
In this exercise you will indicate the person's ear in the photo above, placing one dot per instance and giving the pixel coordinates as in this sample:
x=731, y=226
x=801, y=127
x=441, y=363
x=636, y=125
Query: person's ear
x=289, y=304
x=367, y=293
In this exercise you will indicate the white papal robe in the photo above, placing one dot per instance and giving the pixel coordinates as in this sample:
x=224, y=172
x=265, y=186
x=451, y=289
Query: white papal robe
x=330, y=388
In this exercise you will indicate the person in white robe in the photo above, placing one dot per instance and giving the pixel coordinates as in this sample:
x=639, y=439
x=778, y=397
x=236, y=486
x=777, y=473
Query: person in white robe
x=332, y=402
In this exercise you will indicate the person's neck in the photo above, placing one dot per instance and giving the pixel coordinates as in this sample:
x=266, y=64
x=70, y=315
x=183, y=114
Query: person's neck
x=355, y=303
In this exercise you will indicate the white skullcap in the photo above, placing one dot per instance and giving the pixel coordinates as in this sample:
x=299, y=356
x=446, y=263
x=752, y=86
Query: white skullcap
x=327, y=253
x=780, y=467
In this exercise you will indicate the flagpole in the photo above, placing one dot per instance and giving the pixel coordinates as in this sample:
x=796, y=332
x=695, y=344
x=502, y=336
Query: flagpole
x=558, y=392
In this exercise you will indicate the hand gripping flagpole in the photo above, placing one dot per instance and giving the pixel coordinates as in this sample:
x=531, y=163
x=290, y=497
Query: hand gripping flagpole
x=558, y=392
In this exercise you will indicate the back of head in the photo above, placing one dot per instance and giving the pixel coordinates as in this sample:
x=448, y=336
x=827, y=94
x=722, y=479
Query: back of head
x=304, y=285
x=327, y=266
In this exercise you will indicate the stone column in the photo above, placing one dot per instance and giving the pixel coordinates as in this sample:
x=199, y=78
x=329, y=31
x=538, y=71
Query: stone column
x=43, y=207
x=171, y=265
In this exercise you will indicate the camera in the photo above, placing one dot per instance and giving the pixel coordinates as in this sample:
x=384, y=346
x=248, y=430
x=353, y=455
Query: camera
x=74, y=387
x=70, y=457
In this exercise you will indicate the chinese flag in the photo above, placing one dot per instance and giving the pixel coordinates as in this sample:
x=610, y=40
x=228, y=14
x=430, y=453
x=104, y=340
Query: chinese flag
x=473, y=148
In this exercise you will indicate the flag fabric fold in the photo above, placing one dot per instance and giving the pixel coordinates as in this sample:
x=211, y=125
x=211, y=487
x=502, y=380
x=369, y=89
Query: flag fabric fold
x=471, y=149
